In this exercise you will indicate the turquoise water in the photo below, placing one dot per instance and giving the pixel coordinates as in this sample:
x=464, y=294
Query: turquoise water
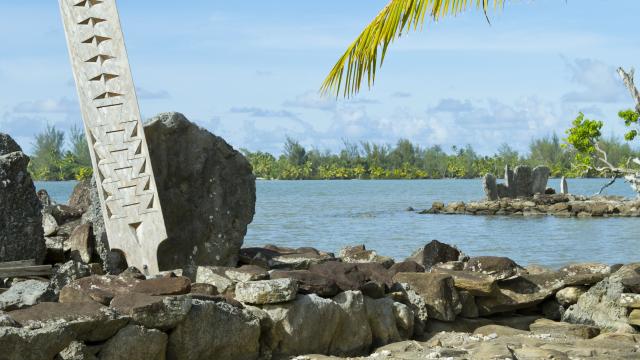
x=330, y=214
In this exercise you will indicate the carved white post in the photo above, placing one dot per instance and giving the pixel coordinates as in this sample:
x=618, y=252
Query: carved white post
x=121, y=164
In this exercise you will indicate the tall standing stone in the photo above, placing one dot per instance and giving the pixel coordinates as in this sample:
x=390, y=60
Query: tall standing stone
x=126, y=185
x=539, y=179
x=490, y=187
x=508, y=180
x=521, y=181
x=564, y=187
x=21, y=232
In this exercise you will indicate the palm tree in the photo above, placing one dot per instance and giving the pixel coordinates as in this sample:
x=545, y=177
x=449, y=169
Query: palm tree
x=361, y=58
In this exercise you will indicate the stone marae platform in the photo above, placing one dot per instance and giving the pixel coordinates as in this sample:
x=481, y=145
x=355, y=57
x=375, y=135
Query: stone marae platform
x=562, y=205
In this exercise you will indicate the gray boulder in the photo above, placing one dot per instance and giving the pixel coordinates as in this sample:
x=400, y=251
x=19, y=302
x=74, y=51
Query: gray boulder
x=135, y=342
x=521, y=181
x=21, y=233
x=490, y=187
x=266, y=291
x=435, y=252
x=539, y=179
x=215, y=330
x=34, y=344
x=207, y=191
x=600, y=305
x=77, y=351
x=23, y=294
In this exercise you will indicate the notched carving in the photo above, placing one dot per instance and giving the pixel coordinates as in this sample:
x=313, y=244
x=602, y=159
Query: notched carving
x=88, y=3
x=100, y=58
x=107, y=95
x=104, y=77
x=96, y=40
x=91, y=21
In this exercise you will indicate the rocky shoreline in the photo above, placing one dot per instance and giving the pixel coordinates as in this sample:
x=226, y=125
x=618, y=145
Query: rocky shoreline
x=561, y=205
x=279, y=303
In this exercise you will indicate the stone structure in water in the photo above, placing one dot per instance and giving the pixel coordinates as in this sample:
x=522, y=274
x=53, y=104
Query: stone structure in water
x=522, y=182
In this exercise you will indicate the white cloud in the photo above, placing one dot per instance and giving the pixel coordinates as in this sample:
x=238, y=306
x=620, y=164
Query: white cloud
x=62, y=105
x=144, y=94
x=596, y=80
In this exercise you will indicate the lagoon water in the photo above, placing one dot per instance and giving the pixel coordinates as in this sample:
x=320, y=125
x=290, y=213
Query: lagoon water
x=330, y=214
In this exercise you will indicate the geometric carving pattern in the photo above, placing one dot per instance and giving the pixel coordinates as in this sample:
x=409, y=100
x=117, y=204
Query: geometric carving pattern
x=128, y=194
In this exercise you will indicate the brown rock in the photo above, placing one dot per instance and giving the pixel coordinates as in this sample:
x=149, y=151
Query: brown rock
x=405, y=266
x=497, y=267
x=359, y=254
x=436, y=290
x=158, y=312
x=584, y=274
x=309, y=282
x=164, y=286
x=475, y=283
x=554, y=327
x=90, y=321
x=353, y=276
x=204, y=289
x=97, y=288
x=433, y=253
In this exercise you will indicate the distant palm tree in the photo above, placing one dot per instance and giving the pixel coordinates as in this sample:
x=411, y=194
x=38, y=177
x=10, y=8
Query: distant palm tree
x=369, y=49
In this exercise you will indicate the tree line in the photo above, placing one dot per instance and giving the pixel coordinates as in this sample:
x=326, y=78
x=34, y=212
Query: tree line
x=406, y=160
x=56, y=157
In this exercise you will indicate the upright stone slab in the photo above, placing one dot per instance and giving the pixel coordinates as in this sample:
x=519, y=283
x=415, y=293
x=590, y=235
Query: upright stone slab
x=490, y=187
x=521, y=182
x=564, y=187
x=126, y=185
x=539, y=179
x=508, y=180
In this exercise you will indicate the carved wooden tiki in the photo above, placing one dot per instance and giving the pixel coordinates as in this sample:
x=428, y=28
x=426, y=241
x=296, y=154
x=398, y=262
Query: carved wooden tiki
x=121, y=164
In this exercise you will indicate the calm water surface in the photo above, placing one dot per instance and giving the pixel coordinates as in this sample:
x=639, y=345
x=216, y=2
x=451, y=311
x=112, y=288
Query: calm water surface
x=330, y=214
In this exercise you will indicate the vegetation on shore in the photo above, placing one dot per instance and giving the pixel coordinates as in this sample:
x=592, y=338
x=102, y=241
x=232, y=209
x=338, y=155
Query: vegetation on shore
x=406, y=160
x=54, y=159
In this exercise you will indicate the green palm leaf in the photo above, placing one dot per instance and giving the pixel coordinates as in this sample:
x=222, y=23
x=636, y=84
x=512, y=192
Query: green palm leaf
x=361, y=58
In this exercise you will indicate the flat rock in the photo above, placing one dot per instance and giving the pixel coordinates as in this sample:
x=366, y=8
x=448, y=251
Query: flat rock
x=266, y=291
x=359, y=254
x=157, y=312
x=89, y=321
x=585, y=273
x=101, y=289
x=436, y=290
x=405, y=266
x=247, y=273
x=546, y=326
x=499, y=268
x=477, y=284
x=308, y=282
x=216, y=276
x=164, y=286
x=204, y=289
x=23, y=294
x=353, y=276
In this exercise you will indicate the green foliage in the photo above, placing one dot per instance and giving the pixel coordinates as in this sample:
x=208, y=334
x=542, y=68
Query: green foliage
x=50, y=160
x=368, y=50
x=406, y=160
x=630, y=118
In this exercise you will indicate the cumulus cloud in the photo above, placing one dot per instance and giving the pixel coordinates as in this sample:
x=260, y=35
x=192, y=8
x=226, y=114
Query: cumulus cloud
x=144, y=94
x=62, y=105
x=401, y=94
x=262, y=112
x=312, y=100
x=596, y=80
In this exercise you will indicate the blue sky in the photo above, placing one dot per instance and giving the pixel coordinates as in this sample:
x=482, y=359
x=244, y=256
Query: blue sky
x=250, y=71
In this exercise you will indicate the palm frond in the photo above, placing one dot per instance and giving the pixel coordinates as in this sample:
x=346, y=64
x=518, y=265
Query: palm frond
x=370, y=47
